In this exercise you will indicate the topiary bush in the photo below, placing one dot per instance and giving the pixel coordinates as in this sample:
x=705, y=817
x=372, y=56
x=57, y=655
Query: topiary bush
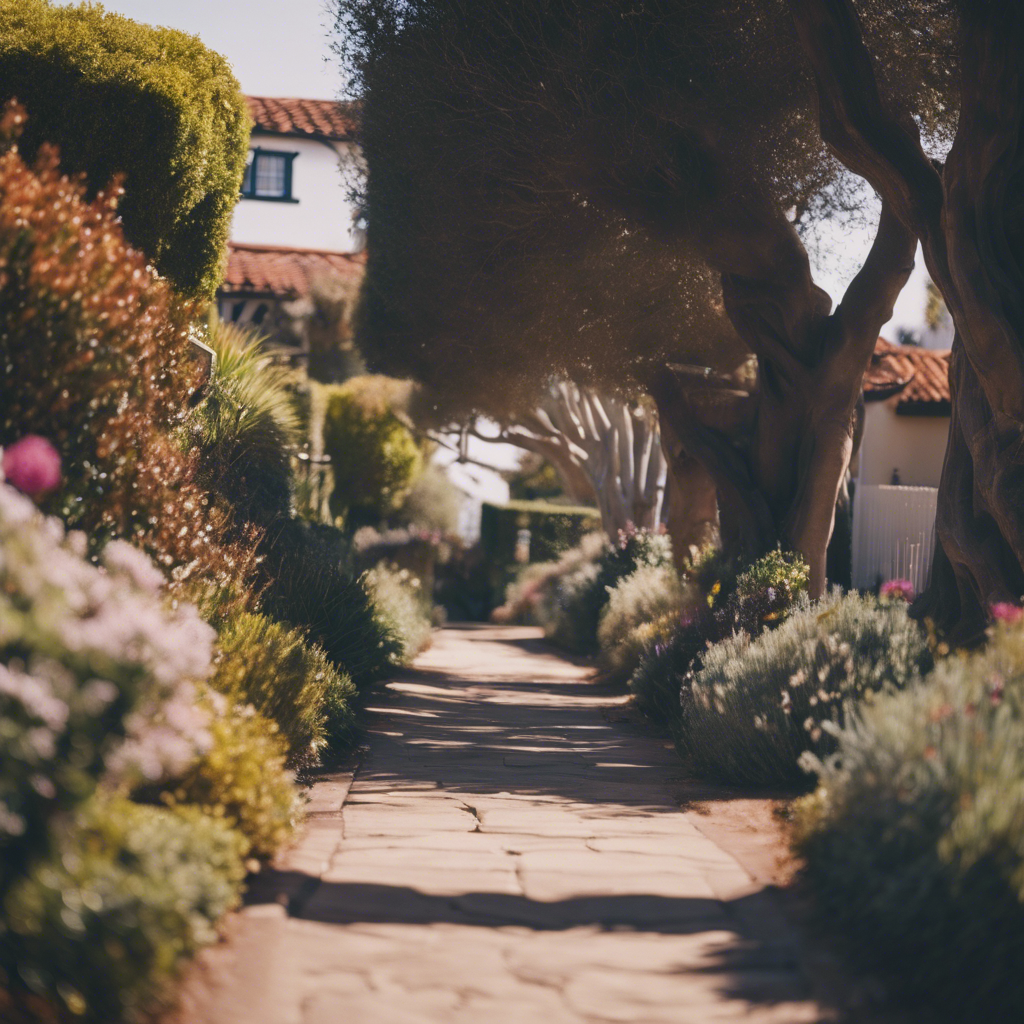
x=242, y=778
x=402, y=604
x=374, y=457
x=306, y=582
x=99, y=928
x=95, y=357
x=152, y=105
x=247, y=427
x=913, y=843
x=756, y=705
x=288, y=680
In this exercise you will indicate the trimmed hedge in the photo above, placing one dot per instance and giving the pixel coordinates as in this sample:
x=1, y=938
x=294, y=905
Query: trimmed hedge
x=553, y=529
x=152, y=104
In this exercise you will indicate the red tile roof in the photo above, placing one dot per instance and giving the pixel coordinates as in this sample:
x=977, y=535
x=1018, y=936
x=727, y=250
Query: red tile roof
x=918, y=377
x=279, y=272
x=317, y=119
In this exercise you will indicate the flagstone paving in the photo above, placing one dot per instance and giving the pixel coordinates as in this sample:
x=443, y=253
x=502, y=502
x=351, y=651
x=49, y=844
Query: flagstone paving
x=512, y=849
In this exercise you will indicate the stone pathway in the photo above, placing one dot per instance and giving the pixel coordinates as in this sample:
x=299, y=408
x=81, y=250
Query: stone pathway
x=510, y=851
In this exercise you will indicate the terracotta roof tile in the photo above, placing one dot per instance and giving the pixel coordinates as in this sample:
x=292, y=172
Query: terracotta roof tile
x=319, y=119
x=281, y=272
x=918, y=377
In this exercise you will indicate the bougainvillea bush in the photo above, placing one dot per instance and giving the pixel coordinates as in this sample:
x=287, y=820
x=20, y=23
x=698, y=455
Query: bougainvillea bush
x=95, y=357
x=914, y=839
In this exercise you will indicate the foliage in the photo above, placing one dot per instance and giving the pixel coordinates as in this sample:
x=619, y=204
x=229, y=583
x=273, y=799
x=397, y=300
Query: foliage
x=152, y=105
x=241, y=778
x=403, y=606
x=99, y=928
x=95, y=675
x=727, y=601
x=652, y=594
x=756, y=705
x=308, y=583
x=571, y=610
x=247, y=426
x=433, y=503
x=286, y=679
x=374, y=457
x=914, y=840
x=95, y=357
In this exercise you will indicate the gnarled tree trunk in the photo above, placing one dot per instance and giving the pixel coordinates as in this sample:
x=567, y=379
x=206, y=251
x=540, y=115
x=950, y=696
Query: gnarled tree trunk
x=968, y=218
x=779, y=456
x=604, y=449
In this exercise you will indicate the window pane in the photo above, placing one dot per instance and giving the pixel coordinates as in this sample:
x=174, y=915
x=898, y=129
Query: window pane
x=247, y=177
x=270, y=169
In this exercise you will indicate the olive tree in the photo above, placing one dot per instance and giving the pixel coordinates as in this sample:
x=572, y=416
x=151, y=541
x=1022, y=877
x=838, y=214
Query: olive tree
x=612, y=192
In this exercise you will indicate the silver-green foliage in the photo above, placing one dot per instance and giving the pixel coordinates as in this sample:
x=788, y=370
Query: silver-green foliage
x=914, y=840
x=401, y=603
x=757, y=705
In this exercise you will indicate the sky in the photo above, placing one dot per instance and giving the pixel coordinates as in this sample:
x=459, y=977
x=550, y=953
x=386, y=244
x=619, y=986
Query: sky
x=276, y=47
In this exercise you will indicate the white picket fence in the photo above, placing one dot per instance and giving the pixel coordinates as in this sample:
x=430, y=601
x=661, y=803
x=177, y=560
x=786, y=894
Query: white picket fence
x=893, y=534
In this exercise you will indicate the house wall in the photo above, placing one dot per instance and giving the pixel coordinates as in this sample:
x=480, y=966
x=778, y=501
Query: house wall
x=322, y=217
x=914, y=445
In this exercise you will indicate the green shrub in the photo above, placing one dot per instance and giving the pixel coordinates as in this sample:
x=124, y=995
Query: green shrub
x=571, y=608
x=288, y=680
x=374, y=457
x=433, y=503
x=152, y=104
x=756, y=705
x=246, y=428
x=914, y=841
x=651, y=594
x=241, y=779
x=100, y=928
x=403, y=606
x=307, y=582
x=725, y=601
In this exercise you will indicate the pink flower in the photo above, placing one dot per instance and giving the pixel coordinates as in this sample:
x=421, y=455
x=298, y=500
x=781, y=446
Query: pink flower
x=32, y=465
x=900, y=590
x=1003, y=611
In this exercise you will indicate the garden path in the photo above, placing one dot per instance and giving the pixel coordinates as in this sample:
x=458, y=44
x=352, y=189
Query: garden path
x=512, y=850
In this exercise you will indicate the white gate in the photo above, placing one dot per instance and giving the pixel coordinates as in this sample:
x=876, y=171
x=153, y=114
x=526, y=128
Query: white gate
x=893, y=534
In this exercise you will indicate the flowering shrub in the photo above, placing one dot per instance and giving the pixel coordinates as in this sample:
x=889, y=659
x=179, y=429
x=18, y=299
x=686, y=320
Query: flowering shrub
x=914, y=839
x=402, y=604
x=897, y=590
x=723, y=603
x=652, y=594
x=95, y=357
x=756, y=705
x=95, y=674
x=32, y=465
x=98, y=928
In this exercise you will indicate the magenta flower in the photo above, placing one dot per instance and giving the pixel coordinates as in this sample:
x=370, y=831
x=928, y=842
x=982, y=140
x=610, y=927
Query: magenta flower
x=32, y=465
x=899, y=590
x=1004, y=611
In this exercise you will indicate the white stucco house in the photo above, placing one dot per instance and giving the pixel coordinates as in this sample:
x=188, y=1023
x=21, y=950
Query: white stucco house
x=295, y=221
x=896, y=476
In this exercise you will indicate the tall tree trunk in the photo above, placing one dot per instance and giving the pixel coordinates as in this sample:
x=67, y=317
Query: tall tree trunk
x=968, y=218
